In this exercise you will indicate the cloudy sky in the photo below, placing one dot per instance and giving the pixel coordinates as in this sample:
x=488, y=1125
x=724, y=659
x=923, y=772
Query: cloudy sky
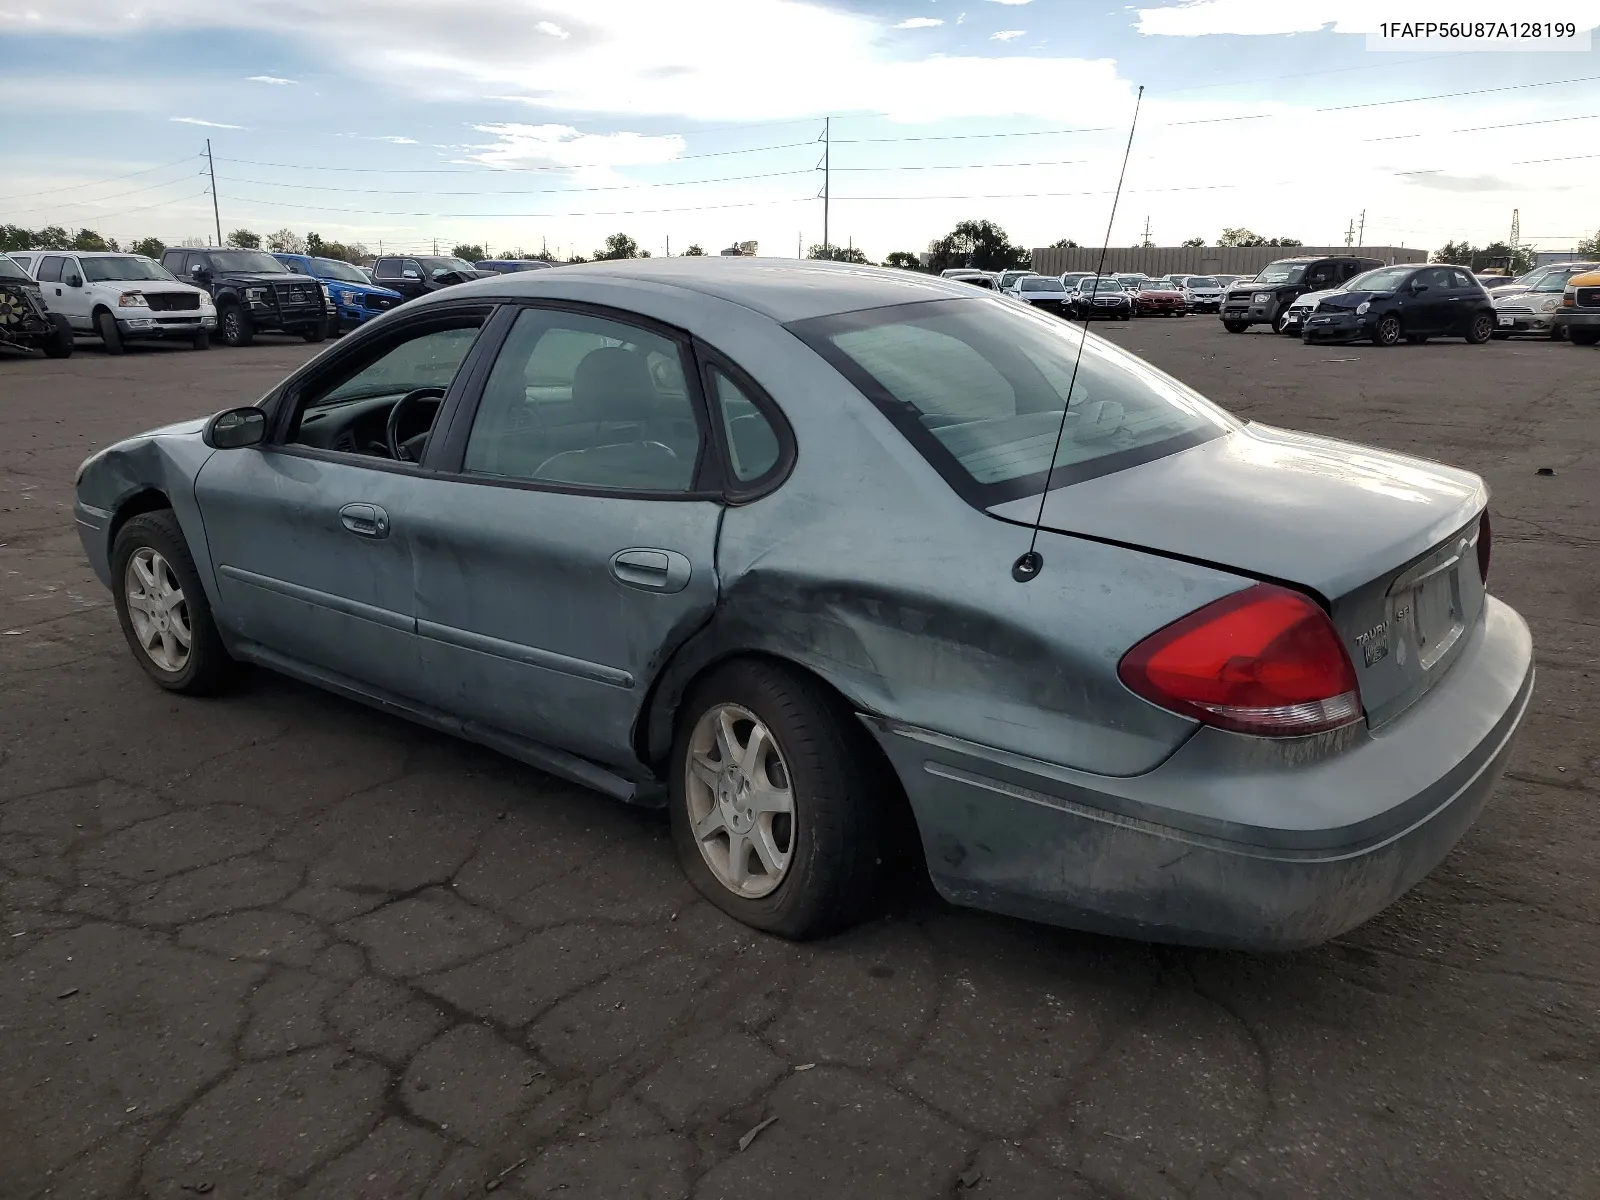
x=529, y=122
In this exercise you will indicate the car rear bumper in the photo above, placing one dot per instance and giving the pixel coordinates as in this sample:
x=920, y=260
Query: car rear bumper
x=1133, y=857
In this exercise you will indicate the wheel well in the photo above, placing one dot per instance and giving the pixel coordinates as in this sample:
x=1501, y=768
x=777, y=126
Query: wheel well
x=94, y=314
x=905, y=842
x=136, y=505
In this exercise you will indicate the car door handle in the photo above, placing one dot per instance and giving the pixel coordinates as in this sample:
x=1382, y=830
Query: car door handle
x=365, y=520
x=651, y=570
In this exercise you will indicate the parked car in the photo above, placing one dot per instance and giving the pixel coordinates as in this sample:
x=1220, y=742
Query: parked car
x=418, y=275
x=1529, y=305
x=1579, y=315
x=355, y=297
x=1132, y=280
x=1004, y=280
x=26, y=259
x=1102, y=296
x=1158, y=298
x=1295, y=315
x=1266, y=299
x=510, y=266
x=1492, y=283
x=614, y=553
x=980, y=279
x=1044, y=292
x=1410, y=302
x=122, y=298
x=253, y=293
x=1202, y=293
x=25, y=322
x=952, y=272
x=1071, y=279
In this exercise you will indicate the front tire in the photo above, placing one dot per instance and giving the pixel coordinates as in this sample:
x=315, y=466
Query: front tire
x=163, y=608
x=316, y=333
x=59, y=344
x=1578, y=335
x=106, y=325
x=775, y=803
x=237, y=329
x=202, y=340
x=1387, y=331
x=1481, y=329
x=1236, y=326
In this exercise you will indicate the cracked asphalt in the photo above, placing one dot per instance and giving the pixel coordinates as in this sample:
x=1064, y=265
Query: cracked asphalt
x=279, y=945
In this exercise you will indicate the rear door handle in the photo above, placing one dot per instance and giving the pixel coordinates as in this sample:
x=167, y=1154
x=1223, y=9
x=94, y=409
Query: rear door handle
x=651, y=570
x=365, y=520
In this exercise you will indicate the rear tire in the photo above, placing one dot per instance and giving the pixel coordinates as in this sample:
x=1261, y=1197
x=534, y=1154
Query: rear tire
x=106, y=325
x=1481, y=329
x=1580, y=336
x=202, y=340
x=1387, y=331
x=1236, y=326
x=59, y=344
x=316, y=333
x=156, y=540
x=829, y=841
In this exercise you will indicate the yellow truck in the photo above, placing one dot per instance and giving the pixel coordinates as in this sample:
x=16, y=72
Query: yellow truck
x=1579, y=313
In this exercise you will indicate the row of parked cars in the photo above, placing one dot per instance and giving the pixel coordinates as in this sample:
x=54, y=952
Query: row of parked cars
x=49, y=297
x=1349, y=298
x=1086, y=294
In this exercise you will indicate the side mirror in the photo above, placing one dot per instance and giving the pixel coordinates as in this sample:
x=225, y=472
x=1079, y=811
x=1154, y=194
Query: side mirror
x=200, y=272
x=236, y=428
x=1419, y=287
x=409, y=274
x=73, y=280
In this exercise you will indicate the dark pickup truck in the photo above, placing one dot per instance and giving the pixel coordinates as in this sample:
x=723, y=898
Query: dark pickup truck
x=254, y=293
x=1265, y=300
x=418, y=274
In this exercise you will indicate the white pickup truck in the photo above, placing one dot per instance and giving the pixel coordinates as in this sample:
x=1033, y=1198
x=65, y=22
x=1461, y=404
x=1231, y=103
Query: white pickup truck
x=121, y=297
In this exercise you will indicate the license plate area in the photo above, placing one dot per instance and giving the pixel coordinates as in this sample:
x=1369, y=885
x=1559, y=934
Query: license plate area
x=1508, y=320
x=1426, y=609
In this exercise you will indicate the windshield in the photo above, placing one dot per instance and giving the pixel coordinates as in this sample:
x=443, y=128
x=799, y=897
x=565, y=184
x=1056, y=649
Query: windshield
x=101, y=270
x=256, y=262
x=443, y=266
x=1042, y=285
x=1131, y=279
x=10, y=270
x=1201, y=283
x=1384, y=279
x=980, y=390
x=982, y=281
x=1282, y=273
x=332, y=268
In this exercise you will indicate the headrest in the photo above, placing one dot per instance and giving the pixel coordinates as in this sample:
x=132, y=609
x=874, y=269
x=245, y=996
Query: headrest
x=613, y=384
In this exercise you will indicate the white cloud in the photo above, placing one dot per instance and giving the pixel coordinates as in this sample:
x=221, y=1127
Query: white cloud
x=272, y=79
x=551, y=29
x=962, y=19
x=590, y=156
x=1010, y=1
x=207, y=124
x=919, y=23
x=1196, y=18
x=398, y=141
x=1007, y=35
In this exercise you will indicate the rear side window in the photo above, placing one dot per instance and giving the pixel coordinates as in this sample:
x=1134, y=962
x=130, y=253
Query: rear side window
x=980, y=390
x=753, y=446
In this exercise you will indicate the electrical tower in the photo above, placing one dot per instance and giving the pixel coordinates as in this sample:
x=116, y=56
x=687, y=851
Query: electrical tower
x=1516, y=229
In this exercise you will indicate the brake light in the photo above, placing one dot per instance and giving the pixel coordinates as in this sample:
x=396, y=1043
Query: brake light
x=1484, y=539
x=1263, y=661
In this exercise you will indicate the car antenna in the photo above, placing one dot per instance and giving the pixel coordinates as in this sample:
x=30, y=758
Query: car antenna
x=1028, y=566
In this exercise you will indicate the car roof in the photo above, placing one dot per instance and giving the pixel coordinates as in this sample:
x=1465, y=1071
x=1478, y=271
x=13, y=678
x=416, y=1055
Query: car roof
x=782, y=289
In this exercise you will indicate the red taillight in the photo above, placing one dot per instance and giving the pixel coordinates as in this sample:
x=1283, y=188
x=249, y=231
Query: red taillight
x=1484, y=539
x=1265, y=661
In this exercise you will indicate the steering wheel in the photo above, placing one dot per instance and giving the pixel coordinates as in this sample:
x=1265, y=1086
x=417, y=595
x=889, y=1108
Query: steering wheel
x=411, y=449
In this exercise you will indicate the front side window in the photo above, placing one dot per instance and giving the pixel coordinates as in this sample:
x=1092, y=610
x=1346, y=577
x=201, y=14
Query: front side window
x=330, y=268
x=980, y=390
x=437, y=268
x=586, y=401
x=131, y=268
x=50, y=268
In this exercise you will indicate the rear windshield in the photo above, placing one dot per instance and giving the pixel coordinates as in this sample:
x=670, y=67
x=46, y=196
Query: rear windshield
x=980, y=389
x=1282, y=273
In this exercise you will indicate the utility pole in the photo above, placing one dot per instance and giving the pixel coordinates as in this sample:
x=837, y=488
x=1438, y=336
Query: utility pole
x=1350, y=234
x=215, y=212
x=826, y=164
x=1146, y=241
x=669, y=245
x=1361, y=234
x=436, y=247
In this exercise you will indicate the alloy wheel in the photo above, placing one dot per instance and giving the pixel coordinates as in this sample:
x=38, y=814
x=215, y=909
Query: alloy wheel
x=741, y=803
x=158, y=610
x=1388, y=331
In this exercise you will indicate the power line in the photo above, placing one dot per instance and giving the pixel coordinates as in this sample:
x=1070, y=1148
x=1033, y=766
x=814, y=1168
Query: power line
x=623, y=187
x=98, y=199
x=1511, y=87
x=1523, y=162
x=530, y=216
x=96, y=183
x=961, y=137
x=1065, y=162
x=492, y=170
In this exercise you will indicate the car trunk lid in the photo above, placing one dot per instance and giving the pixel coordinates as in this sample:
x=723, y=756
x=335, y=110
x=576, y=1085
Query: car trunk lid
x=1388, y=542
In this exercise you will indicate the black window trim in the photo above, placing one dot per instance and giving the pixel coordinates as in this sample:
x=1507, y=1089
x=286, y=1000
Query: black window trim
x=815, y=331
x=282, y=403
x=737, y=491
x=447, y=463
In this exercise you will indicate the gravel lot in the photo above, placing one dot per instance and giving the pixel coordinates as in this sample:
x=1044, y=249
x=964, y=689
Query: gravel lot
x=277, y=944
